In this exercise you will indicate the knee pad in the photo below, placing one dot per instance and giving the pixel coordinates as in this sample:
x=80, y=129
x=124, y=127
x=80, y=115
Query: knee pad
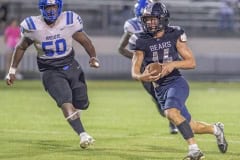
x=185, y=130
x=80, y=98
x=81, y=104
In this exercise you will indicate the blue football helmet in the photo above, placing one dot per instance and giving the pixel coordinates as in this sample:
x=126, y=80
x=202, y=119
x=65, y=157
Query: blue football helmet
x=52, y=15
x=155, y=10
x=139, y=7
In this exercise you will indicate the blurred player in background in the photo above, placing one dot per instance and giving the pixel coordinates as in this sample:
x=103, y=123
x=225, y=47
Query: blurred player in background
x=52, y=34
x=11, y=37
x=131, y=27
x=165, y=44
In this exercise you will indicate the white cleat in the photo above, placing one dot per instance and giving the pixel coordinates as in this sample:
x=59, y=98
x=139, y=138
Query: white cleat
x=221, y=141
x=86, y=140
x=173, y=129
x=197, y=155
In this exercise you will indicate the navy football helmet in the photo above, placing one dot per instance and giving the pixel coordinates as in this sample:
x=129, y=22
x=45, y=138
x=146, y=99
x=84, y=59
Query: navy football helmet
x=157, y=14
x=52, y=15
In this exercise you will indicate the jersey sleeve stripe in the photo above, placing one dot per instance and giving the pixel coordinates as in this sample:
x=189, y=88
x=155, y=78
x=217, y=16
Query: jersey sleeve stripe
x=69, y=17
x=30, y=23
x=135, y=25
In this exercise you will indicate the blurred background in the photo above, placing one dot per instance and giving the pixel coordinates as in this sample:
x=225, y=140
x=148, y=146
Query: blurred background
x=212, y=26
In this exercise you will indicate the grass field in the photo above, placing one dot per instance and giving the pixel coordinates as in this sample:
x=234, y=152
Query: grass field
x=122, y=119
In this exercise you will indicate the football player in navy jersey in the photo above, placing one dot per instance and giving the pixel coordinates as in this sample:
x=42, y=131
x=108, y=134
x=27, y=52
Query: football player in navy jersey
x=167, y=45
x=133, y=26
x=52, y=34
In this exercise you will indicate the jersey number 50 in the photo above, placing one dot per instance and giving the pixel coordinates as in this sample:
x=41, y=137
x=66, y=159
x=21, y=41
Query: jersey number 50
x=60, y=47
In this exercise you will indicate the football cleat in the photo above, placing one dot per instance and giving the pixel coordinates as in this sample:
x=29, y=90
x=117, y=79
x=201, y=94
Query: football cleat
x=221, y=141
x=86, y=140
x=198, y=155
x=173, y=128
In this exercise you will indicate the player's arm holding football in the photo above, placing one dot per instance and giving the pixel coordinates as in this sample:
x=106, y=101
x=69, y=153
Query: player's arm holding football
x=83, y=39
x=136, y=66
x=19, y=51
x=187, y=62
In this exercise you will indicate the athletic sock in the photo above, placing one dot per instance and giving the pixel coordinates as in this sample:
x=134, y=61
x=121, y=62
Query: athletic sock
x=77, y=126
x=193, y=147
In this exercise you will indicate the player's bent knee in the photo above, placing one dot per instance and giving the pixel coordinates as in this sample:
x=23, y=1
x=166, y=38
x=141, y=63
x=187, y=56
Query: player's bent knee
x=80, y=98
x=174, y=115
x=81, y=104
x=161, y=112
x=185, y=130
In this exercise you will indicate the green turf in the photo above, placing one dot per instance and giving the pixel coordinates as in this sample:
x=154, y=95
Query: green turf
x=122, y=119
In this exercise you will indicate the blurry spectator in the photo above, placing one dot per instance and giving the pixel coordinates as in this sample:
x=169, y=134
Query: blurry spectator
x=227, y=15
x=3, y=12
x=3, y=16
x=11, y=37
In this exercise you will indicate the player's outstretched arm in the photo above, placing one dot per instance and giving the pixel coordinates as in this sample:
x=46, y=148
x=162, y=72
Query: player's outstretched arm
x=123, y=44
x=19, y=51
x=83, y=39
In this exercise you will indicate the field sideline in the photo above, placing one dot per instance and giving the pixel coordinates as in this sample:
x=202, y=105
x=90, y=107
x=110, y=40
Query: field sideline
x=122, y=119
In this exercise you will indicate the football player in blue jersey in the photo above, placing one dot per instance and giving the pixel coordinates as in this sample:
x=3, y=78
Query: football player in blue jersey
x=167, y=45
x=52, y=34
x=133, y=26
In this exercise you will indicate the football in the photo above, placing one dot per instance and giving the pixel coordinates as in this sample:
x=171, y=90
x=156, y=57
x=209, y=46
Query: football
x=154, y=67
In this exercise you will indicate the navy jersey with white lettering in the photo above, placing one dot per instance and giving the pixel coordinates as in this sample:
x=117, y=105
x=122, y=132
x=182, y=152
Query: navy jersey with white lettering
x=53, y=44
x=159, y=49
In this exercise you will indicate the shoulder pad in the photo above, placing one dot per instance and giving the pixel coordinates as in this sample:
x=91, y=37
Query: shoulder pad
x=183, y=37
x=28, y=24
x=174, y=29
x=74, y=20
x=72, y=17
x=133, y=26
x=178, y=32
x=69, y=17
